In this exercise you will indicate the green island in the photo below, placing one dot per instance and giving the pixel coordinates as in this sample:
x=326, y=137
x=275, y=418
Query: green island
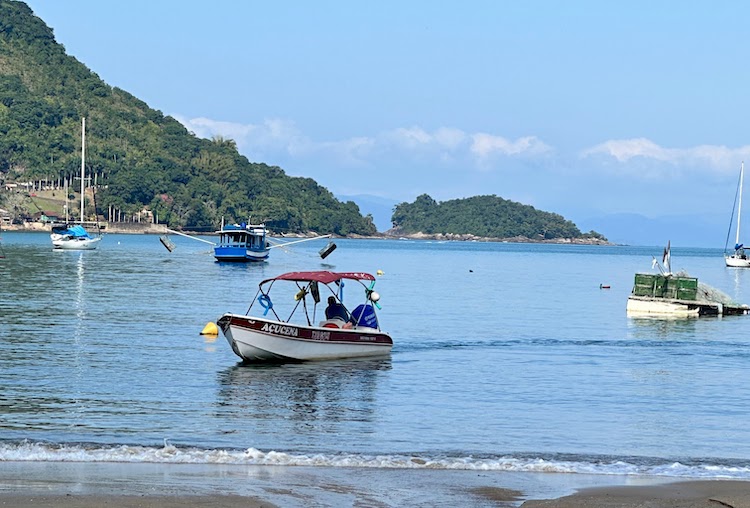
x=142, y=165
x=485, y=217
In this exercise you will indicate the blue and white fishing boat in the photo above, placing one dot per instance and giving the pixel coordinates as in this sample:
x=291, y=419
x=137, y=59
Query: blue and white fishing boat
x=242, y=242
x=245, y=243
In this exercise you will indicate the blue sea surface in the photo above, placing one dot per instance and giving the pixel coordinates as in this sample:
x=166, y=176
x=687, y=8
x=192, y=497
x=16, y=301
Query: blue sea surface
x=507, y=357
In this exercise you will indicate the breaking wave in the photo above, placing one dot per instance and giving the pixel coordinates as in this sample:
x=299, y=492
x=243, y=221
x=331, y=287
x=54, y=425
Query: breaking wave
x=27, y=451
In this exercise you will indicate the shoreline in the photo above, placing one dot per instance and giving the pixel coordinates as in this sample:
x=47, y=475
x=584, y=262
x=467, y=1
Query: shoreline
x=111, y=227
x=161, y=229
x=680, y=494
x=451, y=237
x=27, y=484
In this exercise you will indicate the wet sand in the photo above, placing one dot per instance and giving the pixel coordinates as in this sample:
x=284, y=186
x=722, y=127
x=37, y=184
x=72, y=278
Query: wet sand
x=691, y=494
x=146, y=485
x=132, y=501
x=152, y=485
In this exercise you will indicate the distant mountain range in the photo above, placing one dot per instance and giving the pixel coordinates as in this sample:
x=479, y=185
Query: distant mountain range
x=380, y=208
x=686, y=231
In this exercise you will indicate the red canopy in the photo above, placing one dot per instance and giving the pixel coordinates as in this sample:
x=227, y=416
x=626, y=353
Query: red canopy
x=322, y=276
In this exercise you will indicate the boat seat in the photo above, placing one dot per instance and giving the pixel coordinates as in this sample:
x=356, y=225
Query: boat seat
x=332, y=323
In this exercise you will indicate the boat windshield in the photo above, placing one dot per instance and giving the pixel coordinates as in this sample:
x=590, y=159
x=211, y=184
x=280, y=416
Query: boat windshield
x=241, y=236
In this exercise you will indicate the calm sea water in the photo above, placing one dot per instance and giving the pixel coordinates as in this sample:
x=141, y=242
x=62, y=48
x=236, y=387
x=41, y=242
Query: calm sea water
x=506, y=357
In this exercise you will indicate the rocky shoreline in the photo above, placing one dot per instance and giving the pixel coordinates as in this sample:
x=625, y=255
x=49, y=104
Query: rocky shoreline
x=392, y=234
x=135, y=228
x=452, y=237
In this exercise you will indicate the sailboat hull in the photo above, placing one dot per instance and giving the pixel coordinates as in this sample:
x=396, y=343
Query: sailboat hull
x=737, y=262
x=72, y=243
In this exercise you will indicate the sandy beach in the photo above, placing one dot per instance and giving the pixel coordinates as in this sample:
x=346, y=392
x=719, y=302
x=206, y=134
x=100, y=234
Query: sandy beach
x=149, y=485
x=691, y=494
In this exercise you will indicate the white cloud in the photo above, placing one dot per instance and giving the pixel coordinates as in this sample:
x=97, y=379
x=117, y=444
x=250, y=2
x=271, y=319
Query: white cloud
x=450, y=138
x=713, y=157
x=485, y=145
x=279, y=141
x=412, y=137
x=417, y=141
x=353, y=151
x=270, y=136
x=442, y=145
x=625, y=149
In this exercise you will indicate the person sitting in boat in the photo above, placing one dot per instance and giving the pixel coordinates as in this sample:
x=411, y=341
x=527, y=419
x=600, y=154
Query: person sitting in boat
x=364, y=315
x=739, y=251
x=336, y=310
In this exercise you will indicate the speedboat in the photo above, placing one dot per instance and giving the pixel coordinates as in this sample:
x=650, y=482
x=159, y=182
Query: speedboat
x=242, y=242
x=296, y=327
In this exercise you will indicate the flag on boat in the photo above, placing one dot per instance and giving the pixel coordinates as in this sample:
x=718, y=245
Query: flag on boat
x=666, y=258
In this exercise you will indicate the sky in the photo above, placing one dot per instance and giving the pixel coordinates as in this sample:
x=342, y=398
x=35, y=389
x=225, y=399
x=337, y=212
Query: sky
x=588, y=109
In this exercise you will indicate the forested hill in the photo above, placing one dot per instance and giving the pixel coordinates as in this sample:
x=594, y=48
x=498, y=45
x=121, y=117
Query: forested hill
x=486, y=217
x=141, y=158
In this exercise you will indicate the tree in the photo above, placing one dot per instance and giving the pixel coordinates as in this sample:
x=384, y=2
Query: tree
x=138, y=153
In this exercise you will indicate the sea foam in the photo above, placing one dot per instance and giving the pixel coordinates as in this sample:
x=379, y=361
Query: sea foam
x=27, y=451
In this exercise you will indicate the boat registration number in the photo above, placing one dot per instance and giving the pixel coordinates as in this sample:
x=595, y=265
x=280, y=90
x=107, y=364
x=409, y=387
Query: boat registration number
x=316, y=335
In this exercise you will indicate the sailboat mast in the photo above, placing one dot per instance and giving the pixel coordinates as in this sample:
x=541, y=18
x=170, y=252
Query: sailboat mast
x=83, y=162
x=739, y=208
x=66, y=199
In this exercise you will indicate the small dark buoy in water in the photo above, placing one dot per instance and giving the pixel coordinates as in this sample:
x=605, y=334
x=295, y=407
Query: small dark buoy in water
x=602, y=286
x=471, y=271
x=327, y=250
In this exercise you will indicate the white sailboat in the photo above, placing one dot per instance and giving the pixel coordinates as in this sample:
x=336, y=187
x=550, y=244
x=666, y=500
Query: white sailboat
x=69, y=236
x=739, y=258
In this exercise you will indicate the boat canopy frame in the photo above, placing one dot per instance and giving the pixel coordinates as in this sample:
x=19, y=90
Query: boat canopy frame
x=308, y=283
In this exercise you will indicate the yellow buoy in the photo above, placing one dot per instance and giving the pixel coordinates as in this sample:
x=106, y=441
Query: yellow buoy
x=380, y=272
x=210, y=329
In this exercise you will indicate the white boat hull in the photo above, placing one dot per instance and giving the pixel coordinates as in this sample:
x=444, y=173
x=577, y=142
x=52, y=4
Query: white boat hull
x=257, y=339
x=737, y=262
x=661, y=307
x=65, y=243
